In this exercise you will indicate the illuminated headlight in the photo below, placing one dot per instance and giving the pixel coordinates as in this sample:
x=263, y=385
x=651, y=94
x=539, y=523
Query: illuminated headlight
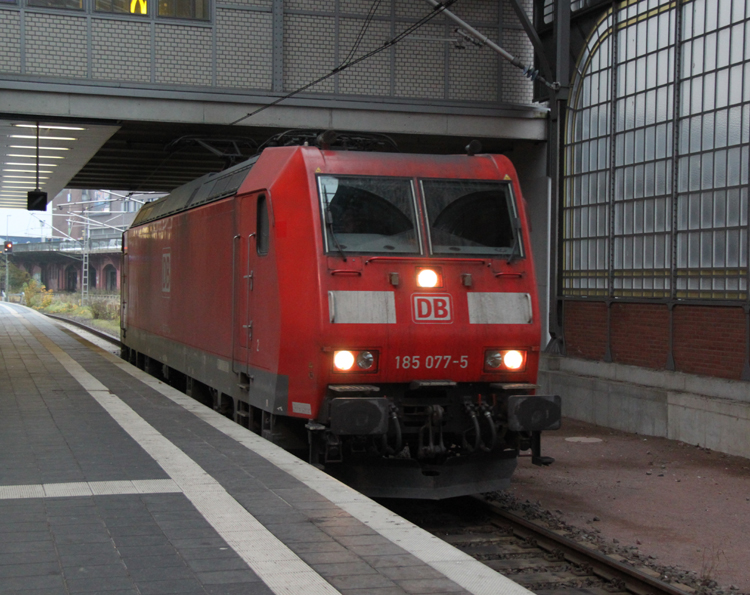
x=506, y=360
x=343, y=360
x=365, y=360
x=513, y=360
x=429, y=277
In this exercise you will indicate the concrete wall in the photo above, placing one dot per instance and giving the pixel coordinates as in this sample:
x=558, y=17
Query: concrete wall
x=710, y=412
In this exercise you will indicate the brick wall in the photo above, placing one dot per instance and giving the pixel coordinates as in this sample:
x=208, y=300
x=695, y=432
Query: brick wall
x=709, y=340
x=244, y=60
x=420, y=64
x=586, y=329
x=473, y=71
x=10, y=42
x=640, y=334
x=309, y=51
x=121, y=50
x=373, y=76
x=56, y=45
x=183, y=55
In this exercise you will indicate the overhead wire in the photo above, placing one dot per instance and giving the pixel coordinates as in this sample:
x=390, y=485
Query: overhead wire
x=348, y=64
x=363, y=30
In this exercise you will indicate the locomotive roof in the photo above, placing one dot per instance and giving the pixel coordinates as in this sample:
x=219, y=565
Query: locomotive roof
x=208, y=188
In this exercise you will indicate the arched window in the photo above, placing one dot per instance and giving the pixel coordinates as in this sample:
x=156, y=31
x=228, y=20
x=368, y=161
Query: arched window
x=657, y=154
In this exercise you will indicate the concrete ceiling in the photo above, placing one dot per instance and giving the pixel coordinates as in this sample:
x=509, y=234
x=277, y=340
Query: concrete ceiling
x=146, y=156
x=64, y=149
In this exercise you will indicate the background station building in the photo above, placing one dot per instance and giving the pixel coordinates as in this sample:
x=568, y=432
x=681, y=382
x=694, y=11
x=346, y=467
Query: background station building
x=639, y=197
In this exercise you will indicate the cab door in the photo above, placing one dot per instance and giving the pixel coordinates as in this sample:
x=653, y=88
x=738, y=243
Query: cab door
x=251, y=244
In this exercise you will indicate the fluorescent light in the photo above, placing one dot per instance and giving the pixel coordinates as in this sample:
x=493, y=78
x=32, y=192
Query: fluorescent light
x=42, y=137
x=34, y=156
x=30, y=164
x=45, y=148
x=28, y=171
x=49, y=127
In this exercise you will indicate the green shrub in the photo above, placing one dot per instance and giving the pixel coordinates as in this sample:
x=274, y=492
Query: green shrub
x=35, y=294
x=104, y=308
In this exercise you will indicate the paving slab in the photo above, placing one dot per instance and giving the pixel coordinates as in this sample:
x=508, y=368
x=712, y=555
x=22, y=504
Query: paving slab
x=115, y=483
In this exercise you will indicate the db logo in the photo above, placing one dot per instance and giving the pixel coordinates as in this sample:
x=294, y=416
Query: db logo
x=431, y=307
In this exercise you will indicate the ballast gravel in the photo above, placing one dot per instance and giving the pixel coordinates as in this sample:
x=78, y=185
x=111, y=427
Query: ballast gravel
x=679, y=509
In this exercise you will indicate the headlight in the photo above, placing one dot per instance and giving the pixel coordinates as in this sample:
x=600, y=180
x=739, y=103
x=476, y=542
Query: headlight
x=513, y=360
x=343, y=360
x=365, y=360
x=429, y=277
x=493, y=359
x=504, y=360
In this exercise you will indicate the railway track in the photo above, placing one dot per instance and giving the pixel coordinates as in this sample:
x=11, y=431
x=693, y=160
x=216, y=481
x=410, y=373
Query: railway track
x=542, y=559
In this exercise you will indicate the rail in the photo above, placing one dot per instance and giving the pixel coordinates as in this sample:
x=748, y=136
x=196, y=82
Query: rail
x=539, y=558
x=94, y=331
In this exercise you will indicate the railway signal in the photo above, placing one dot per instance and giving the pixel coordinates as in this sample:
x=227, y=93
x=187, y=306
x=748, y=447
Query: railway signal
x=8, y=249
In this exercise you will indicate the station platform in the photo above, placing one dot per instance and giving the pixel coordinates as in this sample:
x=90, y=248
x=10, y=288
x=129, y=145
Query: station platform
x=113, y=482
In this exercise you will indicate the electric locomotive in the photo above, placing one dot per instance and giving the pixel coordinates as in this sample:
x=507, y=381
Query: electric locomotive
x=375, y=311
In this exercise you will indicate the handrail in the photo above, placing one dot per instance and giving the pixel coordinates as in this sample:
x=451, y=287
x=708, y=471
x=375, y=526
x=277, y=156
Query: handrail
x=424, y=259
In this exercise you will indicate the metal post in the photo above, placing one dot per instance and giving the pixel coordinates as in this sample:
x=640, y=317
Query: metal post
x=556, y=140
x=7, y=264
x=85, y=264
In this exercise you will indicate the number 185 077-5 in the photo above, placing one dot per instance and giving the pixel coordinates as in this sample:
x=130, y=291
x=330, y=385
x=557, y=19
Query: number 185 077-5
x=430, y=362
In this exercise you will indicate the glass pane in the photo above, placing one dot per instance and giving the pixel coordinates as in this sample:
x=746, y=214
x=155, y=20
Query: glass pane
x=69, y=4
x=473, y=217
x=122, y=6
x=372, y=215
x=184, y=9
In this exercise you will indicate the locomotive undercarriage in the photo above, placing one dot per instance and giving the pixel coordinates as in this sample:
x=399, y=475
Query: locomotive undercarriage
x=398, y=441
x=434, y=442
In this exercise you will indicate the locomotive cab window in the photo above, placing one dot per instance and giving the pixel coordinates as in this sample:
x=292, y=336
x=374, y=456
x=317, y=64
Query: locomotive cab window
x=261, y=229
x=368, y=214
x=472, y=217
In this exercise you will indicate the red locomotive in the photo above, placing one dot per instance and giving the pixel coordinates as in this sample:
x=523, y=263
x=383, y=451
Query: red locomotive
x=377, y=310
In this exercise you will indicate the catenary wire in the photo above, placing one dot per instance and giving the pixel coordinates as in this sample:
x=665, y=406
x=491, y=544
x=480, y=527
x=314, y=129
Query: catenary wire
x=363, y=30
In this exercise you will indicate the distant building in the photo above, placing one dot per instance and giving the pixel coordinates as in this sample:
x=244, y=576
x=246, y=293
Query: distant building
x=91, y=218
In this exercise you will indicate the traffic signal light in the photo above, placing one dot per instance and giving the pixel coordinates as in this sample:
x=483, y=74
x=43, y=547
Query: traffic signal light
x=8, y=247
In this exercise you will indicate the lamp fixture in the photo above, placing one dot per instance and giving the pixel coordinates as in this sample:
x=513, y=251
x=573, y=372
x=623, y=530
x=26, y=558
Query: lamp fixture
x=36, y=199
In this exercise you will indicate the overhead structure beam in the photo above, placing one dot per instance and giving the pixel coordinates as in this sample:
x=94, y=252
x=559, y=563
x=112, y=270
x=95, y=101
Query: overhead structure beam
x=531, y=33
x=528, y=70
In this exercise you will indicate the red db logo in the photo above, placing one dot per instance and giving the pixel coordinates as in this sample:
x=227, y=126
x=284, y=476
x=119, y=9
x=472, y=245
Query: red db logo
x=431, y=307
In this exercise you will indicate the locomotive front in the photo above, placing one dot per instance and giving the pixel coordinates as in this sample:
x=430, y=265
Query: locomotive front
x=431, y=335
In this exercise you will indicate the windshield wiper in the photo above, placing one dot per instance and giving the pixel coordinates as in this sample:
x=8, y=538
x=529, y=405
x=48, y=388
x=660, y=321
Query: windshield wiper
x=329, y=225
x=515, y=250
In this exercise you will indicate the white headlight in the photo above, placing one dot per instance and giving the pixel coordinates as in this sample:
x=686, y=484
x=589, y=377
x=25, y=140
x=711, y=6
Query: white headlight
x=427, y=278
x=343, y=360
x=513, y=359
